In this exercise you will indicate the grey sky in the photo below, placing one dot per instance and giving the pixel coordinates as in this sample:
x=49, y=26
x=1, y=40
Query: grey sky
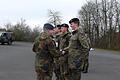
x=35, y=11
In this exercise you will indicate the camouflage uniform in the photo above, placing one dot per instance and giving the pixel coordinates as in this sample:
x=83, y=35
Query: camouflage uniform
x=85, y=64
x=77, y=48
x=64, y=42
x=57, y=40
x=56, y=60
x=45, y=50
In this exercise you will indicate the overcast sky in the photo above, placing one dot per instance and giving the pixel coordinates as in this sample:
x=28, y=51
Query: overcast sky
x=35, y=12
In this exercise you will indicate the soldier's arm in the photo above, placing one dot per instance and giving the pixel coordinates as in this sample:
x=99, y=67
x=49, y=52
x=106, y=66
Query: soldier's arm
x=67, y=39
x=83, y=41
x=35, y=45
x=66, y=48
x=52, y=49
x=89, y=42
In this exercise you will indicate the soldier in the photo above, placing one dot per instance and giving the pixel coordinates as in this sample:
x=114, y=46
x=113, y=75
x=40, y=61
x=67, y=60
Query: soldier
x=86, y=59
x=78, y=46
x=57, y=29
x=45, y=50
x=64, y=42
x=57, y=33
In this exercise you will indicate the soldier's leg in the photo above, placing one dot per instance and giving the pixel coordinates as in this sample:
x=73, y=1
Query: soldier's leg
x=65, y=70
x=44, y=76
x=86, y=64
x=75, y=71
x=61, y=72
x=40, y=75
x=57, y=73
x=74, y=74
x=82, y=64
x=48, y=76
x=56, y=69
x=64, y=67
x=48, y=71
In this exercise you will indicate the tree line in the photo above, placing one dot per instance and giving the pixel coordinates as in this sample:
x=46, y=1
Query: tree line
x=101, y=20
x=22, y=31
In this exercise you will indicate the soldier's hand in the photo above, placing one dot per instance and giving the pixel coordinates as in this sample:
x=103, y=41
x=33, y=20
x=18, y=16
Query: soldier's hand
x=63, y=52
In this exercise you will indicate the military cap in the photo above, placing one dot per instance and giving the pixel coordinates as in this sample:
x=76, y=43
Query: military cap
x=76, y=20
x=48, y=26
x=65, y=25
x=58, y=26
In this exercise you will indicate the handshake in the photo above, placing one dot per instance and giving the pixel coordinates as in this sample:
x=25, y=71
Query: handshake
x=62, y=52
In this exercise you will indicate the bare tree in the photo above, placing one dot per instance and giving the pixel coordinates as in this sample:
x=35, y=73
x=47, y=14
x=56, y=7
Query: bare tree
x=89, y=20
x=54, y=17
x=36, y=31
x=8, y=26
x=102, y=22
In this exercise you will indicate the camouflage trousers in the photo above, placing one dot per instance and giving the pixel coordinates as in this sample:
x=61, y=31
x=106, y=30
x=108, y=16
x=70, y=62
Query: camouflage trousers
x=74, y=66
x=63, y=67
x=74, y=74
x=85, y=63
x=44, y=75
x=57, y=68
x=44, y=69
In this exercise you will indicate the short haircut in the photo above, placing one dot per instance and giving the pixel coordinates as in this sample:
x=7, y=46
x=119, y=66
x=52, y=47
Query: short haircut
x=75, y=20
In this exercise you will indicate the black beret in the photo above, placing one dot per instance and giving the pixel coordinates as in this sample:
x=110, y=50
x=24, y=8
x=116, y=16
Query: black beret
x=48, y=26
x=76, y=20
x=65, y=25
x=58, y=26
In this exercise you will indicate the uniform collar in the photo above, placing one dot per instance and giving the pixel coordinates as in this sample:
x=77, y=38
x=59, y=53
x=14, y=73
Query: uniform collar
x=80, y=29
x=74, y=32
x=64, y=34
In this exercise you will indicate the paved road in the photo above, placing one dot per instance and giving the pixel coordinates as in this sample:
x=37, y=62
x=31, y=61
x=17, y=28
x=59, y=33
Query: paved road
x=104, y=65
x=17, y=63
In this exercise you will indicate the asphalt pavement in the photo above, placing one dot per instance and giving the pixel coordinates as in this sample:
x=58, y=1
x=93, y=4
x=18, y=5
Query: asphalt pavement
x=17, y=63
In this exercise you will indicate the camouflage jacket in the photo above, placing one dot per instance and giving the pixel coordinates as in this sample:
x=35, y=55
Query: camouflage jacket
x=88, y=40
x=78, y=44
x=57, y=40
x=44, y=46
x=64, y=40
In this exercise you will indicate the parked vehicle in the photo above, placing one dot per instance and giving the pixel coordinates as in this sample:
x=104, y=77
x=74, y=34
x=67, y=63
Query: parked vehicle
x=6, y=37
